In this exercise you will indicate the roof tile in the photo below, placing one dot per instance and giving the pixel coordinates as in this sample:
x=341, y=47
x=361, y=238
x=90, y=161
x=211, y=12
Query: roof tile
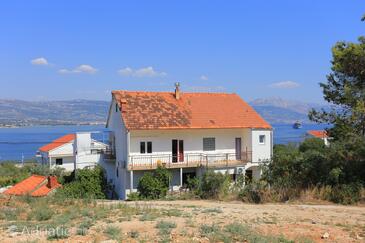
x=57, y=143
x=161, y=110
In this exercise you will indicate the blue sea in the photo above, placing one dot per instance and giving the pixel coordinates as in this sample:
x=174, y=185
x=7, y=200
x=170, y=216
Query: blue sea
x=18, y=143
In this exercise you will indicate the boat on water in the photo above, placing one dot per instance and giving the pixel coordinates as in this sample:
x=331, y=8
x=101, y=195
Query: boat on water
x=297, y=125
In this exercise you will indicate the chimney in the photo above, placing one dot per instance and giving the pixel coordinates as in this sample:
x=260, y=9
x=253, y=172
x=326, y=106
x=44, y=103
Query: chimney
x=52, y=181
x=177, y=90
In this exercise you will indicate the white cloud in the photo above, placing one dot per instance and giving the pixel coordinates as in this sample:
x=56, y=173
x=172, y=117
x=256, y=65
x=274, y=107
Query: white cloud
x=39, y=61
x=203, y=77
x=142, y=72
x=84, y=68
x=126, y=71
x=285, y=85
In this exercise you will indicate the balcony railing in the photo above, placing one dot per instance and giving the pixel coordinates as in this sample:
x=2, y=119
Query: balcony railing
x=188, y=160
x=107, y=152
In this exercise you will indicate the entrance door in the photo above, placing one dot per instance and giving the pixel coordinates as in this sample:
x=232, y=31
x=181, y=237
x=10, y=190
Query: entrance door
x=238, y=149
x=177, y=150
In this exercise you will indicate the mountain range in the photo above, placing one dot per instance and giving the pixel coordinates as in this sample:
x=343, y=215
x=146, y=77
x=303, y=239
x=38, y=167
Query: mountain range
x=277, y=110
x=24, y=113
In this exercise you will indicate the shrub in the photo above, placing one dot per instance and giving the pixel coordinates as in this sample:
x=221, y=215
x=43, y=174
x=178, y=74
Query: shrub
x=154, y=185
x=165, y=227
x=41, y=213
x=113, y=232
x=252, y=193
x=214, y=185
x=345, y=194
x=88, y=183
x=11, y=174
x=133, y=196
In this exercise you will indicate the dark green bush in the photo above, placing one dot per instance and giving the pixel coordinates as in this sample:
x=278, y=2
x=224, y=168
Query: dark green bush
x=87, y=183
x=345, y=194
x=154, y=185
x=214, y=185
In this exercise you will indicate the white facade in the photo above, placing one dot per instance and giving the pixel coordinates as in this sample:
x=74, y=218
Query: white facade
x=258, y=143
x=75, y=154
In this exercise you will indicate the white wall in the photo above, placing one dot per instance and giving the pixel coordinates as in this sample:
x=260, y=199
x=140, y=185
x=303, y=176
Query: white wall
x=67, y=162
x=115, y=124
x=261, y=152
x=65, y=149
x=193, y=140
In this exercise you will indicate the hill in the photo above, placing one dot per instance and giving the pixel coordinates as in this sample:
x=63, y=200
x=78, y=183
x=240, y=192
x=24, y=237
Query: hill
x=25, y=113
x=278, y=110
x=78, y=112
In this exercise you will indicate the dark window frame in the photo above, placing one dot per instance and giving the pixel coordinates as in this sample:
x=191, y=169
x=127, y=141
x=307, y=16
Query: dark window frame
x=58, y=161
x=209, y=144
x=149, y=147
x=142, y=147
x=264, y=139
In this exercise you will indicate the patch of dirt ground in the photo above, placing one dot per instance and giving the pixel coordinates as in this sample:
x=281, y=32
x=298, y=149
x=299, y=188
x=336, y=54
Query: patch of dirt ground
x=296, y=222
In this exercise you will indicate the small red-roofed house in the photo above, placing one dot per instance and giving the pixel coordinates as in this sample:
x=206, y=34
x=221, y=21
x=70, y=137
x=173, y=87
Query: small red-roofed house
x=187, y=133
x=62, y=152
x=322, y=134
x=35, y=185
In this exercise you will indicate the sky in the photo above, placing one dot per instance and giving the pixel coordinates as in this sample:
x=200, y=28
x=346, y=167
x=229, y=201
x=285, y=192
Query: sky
x=60, y=50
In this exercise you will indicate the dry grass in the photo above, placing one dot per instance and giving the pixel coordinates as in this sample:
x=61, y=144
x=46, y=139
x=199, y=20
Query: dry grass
x=176, y=221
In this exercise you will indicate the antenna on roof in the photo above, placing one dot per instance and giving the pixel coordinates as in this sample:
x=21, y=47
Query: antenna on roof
x=177, y=90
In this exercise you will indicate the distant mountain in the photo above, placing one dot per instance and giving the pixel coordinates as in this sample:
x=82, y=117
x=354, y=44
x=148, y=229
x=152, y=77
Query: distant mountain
x=24, y=113
x=278, y=110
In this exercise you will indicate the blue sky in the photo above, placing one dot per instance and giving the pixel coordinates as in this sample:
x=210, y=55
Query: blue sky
x=54, y=50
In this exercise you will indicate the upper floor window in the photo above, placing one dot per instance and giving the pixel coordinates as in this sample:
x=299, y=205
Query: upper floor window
x=145, y=147
x=262, y=139
x=149, y=147
x=116, y=108
x=208, y=144
x=59, y=161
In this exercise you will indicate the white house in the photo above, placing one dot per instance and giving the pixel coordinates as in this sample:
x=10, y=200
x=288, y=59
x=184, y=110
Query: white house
x=74, y=151
x=321, y=134
x=187, y=133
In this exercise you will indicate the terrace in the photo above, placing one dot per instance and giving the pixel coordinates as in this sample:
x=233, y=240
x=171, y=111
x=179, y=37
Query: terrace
x=188, y=160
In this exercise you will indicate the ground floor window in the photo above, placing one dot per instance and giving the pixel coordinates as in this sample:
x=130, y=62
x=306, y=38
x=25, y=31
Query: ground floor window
x=59, y=161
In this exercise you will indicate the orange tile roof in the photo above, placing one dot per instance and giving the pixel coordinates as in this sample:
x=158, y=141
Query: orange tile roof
x=43, y=190
x=35, y=185
x=318, y=133
x=57, y=143
x=161, y=110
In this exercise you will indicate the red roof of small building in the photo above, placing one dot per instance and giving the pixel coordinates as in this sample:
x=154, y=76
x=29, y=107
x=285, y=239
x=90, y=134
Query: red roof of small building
x=161, y=110
x=318, y=133
x=35, y=185
x=57, y=143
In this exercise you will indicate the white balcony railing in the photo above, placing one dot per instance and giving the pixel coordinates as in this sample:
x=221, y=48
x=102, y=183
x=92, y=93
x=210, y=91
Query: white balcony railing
x=148, y=162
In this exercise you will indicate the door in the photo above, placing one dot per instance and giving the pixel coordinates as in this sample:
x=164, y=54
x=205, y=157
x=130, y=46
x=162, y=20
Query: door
x=177, y=150
x=181, y=150
x=238, y=149
x=174, y=150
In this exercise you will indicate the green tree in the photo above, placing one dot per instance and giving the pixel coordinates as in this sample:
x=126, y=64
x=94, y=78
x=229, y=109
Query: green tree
x=345, y=89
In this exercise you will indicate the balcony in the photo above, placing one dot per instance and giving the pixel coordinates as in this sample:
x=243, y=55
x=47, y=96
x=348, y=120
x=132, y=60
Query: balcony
x=188, y=160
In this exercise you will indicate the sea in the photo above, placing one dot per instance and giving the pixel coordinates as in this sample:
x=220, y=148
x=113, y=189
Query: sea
x=21, y=144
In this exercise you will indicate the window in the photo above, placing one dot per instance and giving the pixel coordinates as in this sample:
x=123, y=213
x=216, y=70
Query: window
x=59, y=161
x=142, y=148
x=262, y=139
x=208, y=144
x=149, y=147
